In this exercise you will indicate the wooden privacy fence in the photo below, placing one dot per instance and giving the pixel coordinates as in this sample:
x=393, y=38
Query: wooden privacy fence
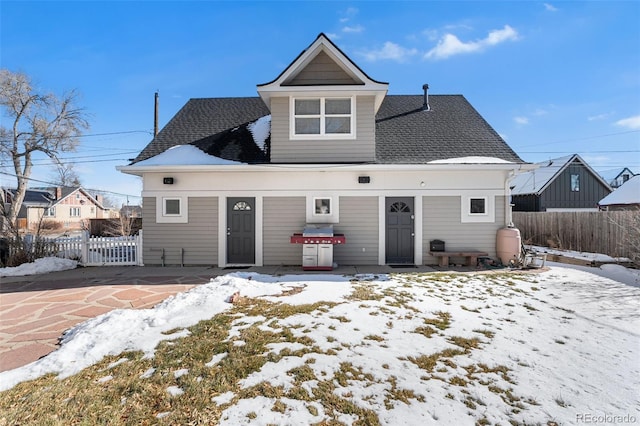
x=614, y=233
x=93, y=251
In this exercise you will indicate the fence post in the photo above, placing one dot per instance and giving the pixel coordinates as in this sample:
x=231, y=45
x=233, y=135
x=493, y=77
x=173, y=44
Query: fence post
x=84, y=248
x=139, y=259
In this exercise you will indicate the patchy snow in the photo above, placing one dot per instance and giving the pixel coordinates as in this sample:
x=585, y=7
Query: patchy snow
x=581, y=255
x=39, y=266
x=628, y=193
x=554, y=345
x=471, y=160
x=261, y=129
x=185, y=155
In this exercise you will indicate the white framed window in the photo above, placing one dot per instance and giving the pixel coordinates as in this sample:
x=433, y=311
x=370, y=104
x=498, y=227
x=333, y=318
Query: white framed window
x=477, y=208
x=50, y=212
x=322, y=117
x=322, y=209
x=74, y=211
x=171, y=209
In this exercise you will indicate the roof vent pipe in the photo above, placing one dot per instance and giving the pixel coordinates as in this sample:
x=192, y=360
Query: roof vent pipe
x=425, y=105
x=155, y=115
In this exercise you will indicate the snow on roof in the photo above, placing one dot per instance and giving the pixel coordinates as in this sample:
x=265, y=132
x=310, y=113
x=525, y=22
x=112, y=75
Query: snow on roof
x=532, y=182
x=627, y=193
x=260, y=130
x=471, y=160
x=182, y=155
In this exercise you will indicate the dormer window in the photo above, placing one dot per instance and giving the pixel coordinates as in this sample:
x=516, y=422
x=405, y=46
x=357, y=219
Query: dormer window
x=330, y=118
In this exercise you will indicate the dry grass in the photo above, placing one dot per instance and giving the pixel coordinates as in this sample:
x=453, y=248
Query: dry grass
x=131, y=389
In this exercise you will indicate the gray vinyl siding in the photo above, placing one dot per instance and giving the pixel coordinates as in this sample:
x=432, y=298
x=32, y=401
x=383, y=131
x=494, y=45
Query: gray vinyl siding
x=198, y=238
x=359, y=224
x=285, y=150
x=282, y=217
x=322, y=70
x=441, y=221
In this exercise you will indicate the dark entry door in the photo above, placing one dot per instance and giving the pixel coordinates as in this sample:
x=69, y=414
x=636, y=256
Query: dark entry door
x=399, y=234
x=241, y=235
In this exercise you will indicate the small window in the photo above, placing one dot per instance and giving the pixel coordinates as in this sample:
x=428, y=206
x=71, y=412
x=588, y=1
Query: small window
x=74, y=212
x=50, y=212
x=322, y=206
x=477, y=206
x=171, y=207
x=575, y=183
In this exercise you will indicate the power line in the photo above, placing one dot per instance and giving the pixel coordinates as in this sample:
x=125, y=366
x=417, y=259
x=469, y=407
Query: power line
x=583, y=138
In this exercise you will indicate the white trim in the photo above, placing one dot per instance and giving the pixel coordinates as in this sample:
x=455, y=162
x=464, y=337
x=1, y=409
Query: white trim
x=417, y=230
x=258, y=212
x=490, y=209
x=311, y=216
x=163, y=217
x=302, y=168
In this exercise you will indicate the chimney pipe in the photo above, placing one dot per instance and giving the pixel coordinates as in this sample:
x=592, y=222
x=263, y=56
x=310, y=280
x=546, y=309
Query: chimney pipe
x=155, y=116
x=425, y=105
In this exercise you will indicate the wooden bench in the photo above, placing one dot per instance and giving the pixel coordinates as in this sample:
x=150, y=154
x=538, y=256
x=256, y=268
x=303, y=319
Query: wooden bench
x=471, y=255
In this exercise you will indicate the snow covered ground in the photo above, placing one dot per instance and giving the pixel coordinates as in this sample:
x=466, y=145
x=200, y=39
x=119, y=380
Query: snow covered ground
x=561, y=345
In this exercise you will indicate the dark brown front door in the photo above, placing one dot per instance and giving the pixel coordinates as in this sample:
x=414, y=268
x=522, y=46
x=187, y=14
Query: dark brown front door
x=399, y=230
x=241, y=236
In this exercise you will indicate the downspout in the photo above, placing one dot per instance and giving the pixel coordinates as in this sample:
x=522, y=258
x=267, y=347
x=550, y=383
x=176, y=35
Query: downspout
x=508, y=214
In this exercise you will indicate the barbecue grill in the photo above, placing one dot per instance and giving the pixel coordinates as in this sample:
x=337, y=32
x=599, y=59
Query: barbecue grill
x=317, y=246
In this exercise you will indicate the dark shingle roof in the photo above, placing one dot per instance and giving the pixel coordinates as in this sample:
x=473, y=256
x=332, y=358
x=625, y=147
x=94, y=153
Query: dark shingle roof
x=201, y=118
x=405, y=134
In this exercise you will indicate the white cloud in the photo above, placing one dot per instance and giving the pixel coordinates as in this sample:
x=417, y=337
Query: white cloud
x=521, y=120
x=390, y=51
x=632, y=123
x=550, y=8
x=598, y=117
x=353, y=29
x=450, y=45
x=540, y=112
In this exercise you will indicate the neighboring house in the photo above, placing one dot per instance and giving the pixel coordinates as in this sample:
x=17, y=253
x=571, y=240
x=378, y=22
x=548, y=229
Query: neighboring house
x=71, y=207
x=34, y=204
x=228, y=181
x=621, y=178
x=626, y=197
x=561, y=184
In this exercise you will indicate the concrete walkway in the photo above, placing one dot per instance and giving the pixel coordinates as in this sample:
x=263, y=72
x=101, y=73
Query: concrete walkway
x=36, y=310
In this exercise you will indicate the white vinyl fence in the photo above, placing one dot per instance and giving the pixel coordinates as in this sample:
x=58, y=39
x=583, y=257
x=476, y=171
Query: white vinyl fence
x=98, y=251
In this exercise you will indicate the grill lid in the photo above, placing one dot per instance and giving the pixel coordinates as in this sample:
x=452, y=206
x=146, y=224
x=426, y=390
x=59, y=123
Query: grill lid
x=317, y=230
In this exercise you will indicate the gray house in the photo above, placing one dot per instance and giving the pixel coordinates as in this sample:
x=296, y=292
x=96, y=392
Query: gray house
x=561, y=184
x=323, y=147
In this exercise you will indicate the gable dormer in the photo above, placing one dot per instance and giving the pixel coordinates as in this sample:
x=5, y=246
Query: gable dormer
x=323, y=108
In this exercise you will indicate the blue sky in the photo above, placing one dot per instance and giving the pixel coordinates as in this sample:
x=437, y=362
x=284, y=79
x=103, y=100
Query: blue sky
x=553, y=78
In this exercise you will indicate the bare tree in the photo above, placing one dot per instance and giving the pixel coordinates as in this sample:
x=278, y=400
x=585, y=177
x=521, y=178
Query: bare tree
x=39, y=123
x=66, y=175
